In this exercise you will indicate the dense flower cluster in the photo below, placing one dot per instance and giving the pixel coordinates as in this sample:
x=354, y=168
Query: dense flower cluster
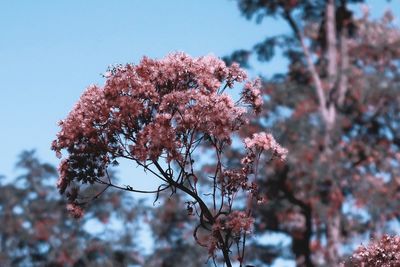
x=252, y=94
x=233, y=180
x=263, y=142
x=75, y=211
x=236, y=224
x=148, y=110
x=381, y=253
x=239, y=222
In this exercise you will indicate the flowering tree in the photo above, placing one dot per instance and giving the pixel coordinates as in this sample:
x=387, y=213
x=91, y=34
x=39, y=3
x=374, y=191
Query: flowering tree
x=157, y=114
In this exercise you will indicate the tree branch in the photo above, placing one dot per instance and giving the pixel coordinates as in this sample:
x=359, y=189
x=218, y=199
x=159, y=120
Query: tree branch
x=344, y=66
x=310, y=64
x=331, y=58
x=203, y=207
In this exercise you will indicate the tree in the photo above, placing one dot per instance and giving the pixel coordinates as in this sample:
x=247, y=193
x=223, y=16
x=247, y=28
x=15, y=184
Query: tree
x=37, y=229
x=156, y=114
x=336, y=111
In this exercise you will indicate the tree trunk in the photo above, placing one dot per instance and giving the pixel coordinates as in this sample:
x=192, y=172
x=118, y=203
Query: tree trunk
x=331, y=57
x=333, y=224
x=333, y=236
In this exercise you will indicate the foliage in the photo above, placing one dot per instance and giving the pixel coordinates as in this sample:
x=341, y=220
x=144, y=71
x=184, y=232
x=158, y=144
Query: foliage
x=37, y=230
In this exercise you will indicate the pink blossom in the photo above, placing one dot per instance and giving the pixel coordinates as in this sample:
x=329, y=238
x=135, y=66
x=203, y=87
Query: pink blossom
x=75, y=210
x=237, y=222
x=232, y=180
x=252, y=94
x=63, y=181
x=263, y=142
x=147, y=110
x=384, y=252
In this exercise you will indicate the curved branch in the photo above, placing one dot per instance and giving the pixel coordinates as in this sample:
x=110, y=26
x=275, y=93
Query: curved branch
x=310, y=64
x=130, y=188
x=204, y=208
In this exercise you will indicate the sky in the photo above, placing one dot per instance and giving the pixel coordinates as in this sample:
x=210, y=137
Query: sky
x=50, y=51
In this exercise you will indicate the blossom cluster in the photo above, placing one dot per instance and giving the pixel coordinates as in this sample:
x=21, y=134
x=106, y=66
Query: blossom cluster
x=75, y=210
x=383, y=253
x=252, y=94
x=236, y=224
x=263, y=142
x=233, y=180
x=148, y=110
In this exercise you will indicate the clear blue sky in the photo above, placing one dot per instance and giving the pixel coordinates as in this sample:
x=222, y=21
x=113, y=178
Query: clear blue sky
x=51, y=50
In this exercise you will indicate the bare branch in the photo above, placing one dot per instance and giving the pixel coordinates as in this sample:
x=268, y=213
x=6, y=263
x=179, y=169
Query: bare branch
x=344, y=67
x=310, y=64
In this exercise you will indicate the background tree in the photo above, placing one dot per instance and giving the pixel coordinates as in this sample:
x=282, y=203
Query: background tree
x=172, y=228
x=336, y=110
x=37, y=229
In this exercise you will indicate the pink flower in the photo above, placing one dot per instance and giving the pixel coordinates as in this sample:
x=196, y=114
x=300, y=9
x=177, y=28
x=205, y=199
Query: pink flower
x=63, y=181
x=75, y=210
x=147, y=111
x=265, y=141
x=237, y=222
x=383, y=253
x=252, y=95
